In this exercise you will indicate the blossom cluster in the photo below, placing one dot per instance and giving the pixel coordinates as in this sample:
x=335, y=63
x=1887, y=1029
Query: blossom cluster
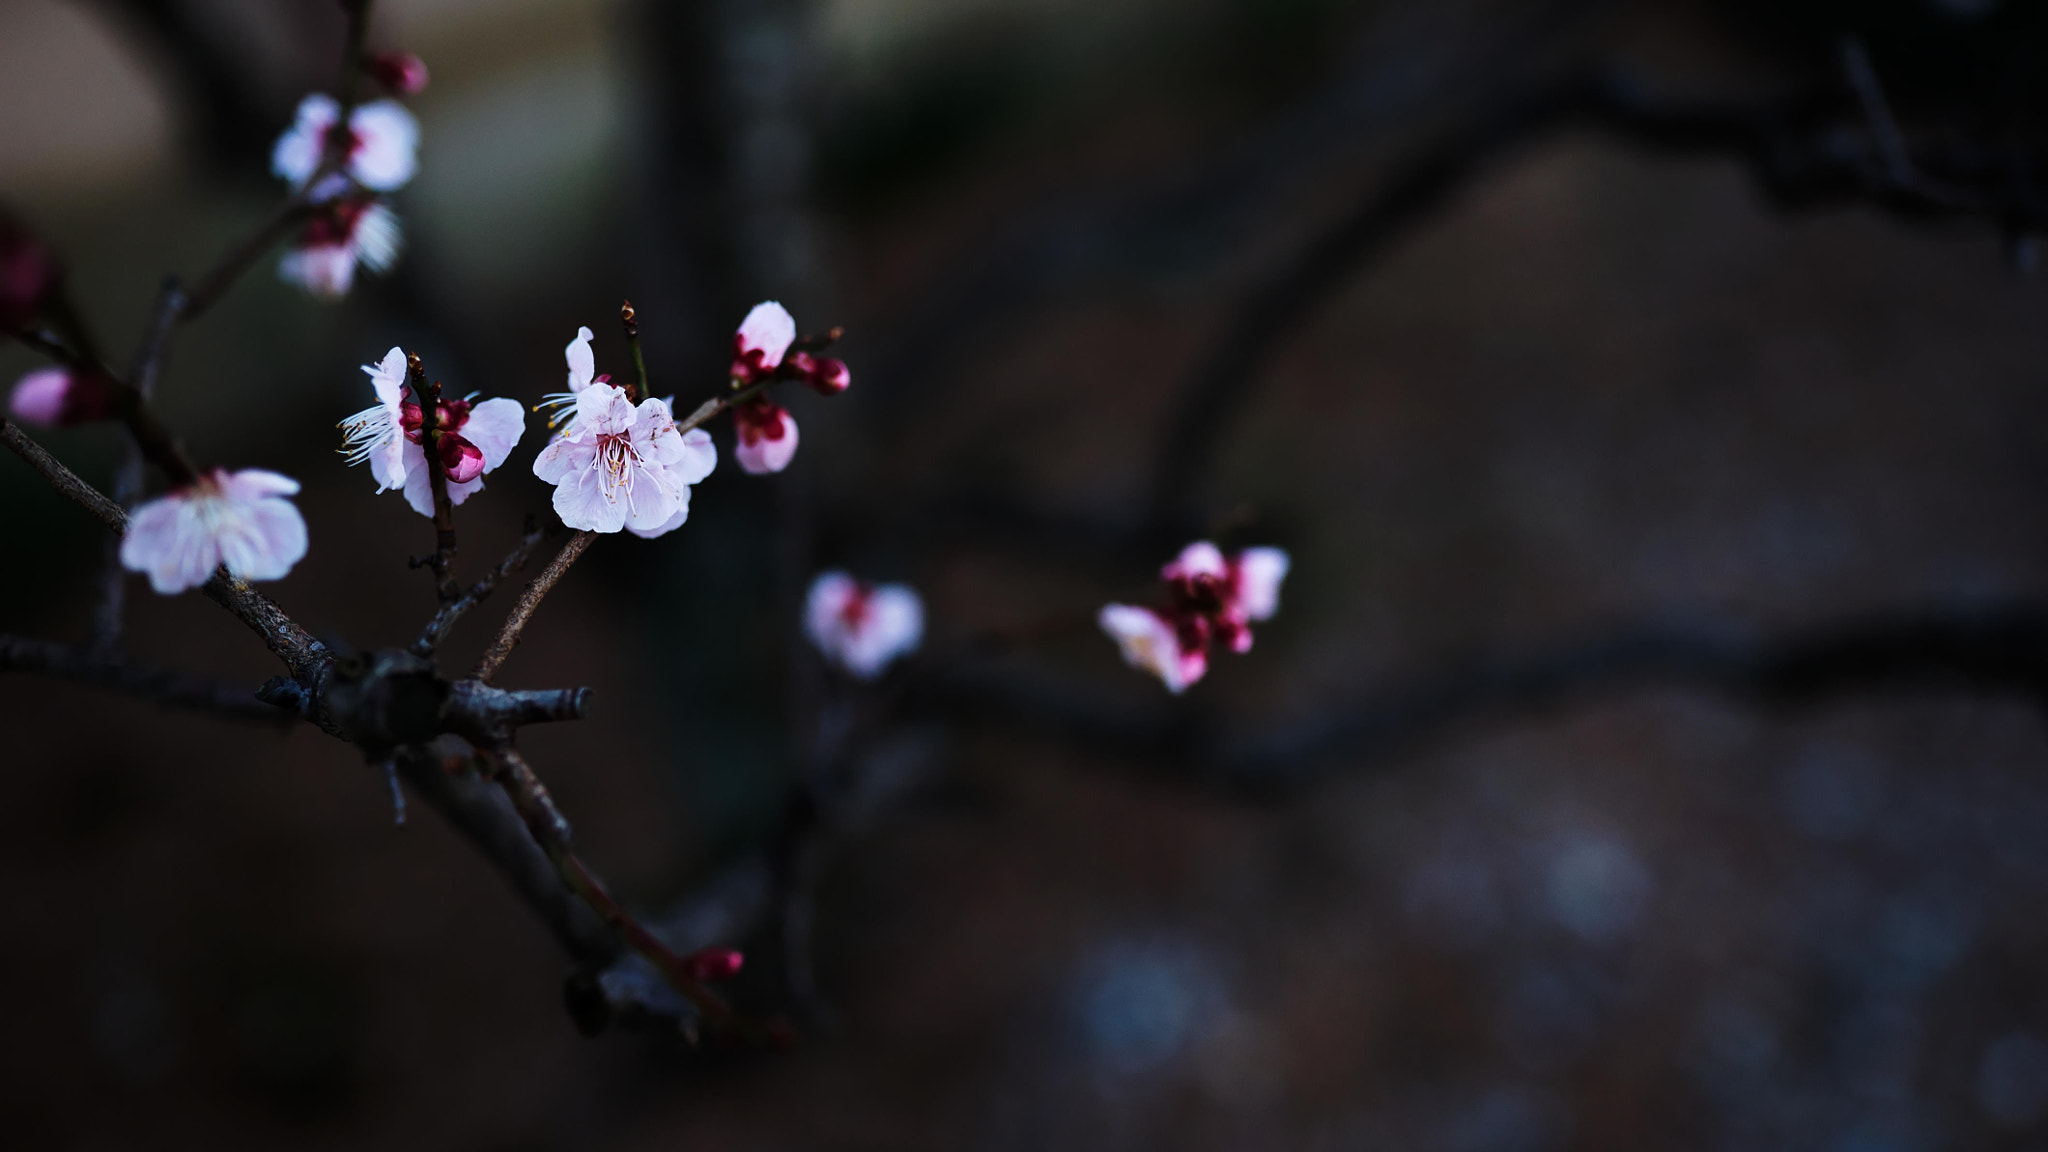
x=1211, y=599
x=343, y=169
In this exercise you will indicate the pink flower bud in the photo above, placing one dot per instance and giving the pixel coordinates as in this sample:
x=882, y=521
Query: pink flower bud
x=464, y=461
x=830, y=377
x=714, y=964
x=27, y=274
x=56, y=397
x=401, y=73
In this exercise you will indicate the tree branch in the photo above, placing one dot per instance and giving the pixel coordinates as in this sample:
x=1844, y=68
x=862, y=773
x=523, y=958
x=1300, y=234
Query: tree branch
x=160, y=686
x=444, y=620
x=515, y=624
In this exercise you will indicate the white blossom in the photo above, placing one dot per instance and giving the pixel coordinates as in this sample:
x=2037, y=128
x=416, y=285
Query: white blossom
x=389, y=435
x=240, y=519
x=861, y=628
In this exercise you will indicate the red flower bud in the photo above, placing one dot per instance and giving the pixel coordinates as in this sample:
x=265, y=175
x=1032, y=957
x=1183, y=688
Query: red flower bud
x=27, y=274
x=830, y=377
x=401, y=73
x=462, y=460
x=713, y=964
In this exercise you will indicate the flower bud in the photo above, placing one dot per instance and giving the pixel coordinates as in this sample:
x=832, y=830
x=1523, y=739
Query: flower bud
x=58, y=397
x=830, y=377
x=401, y=73
x=713, y=964
x=27, y=274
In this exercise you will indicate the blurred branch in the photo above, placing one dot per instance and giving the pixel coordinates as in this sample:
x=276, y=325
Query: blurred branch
x=2001, y=650
x=444, y=620
x=160, y=686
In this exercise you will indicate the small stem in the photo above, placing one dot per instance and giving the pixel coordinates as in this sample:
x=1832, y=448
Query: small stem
x=630, y=321
x=437, y=629
x=352, y=56
x=144, y=372
x=209, y=288
x=536, y=589
x=61, y=478
x=428, y=395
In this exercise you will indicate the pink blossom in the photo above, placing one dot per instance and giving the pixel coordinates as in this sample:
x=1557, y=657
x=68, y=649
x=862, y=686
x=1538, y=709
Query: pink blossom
x=59, y=397
x=828, y=377
x=582, y=374
x=766, y=436
x=1211, y=599
x=240, y=519
x=620, y=465
x=764, y=336
x=475, y=438
x=862, y=628
x=1153, y=642
x=339, y=237
x=401, y=73
x=381, y=148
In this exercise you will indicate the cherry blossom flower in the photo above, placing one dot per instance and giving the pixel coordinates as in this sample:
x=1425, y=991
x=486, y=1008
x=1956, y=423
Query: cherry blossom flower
x=1152, y=641
x=1212, y=598
x=59, y=397
x=27, y=274
x=342, y=235
x=859, y=627
x=621, y=465
x=382, y=147
x=390, y=435
x=766, y=436
x=401, y=73
x=763, y=337
x=240, y=519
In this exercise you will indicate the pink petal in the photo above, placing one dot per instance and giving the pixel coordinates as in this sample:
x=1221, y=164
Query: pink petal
x=769, y=329
x=1198, y=559
x=39, y=397
x=297, y=154
x=764, y=456
x=669, y=525
x=583, y=504
x=563, y=456
x=1149, y=642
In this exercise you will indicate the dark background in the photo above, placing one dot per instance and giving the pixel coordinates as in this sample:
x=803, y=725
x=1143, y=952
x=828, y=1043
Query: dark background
x=1592, y=385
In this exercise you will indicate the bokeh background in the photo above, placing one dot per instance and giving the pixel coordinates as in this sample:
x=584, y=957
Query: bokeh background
x=1593, y=387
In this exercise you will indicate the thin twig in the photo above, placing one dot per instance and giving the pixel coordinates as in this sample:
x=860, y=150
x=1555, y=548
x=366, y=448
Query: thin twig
x=536, y=589
x=209, y=288
x=61, y=478
x=438, y=628
x=144, y=372
x=630, y=321
x=428, y=396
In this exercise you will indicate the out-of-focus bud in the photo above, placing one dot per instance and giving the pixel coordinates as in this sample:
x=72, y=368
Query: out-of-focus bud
x=58, y=397
x=713, y=964
x=830, y=377
x=401, y=73
x=27, y=274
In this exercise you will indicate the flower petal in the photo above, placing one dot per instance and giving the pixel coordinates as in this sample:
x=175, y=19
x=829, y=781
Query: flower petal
x=769, y=329
x=583, y=504
x=1259, y=572
x=388, y=154
x=563, y=456
x=297, y=153
x=669, y=525
x=495, y=427
x=582, y=364
x=764, y=456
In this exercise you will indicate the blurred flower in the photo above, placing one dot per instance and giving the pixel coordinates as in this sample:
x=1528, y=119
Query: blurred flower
x=766, y=436
x=401, y=73
x=621, y=465
x=1175, y=650
x=340, y=236
x=380, y=152
x=1211, y=597
x=239, y=519
x=59, y=397
x=764, y=336
x=390, y=435
x=827, y=376
x=27, y=274
x=711, y=965
x=860, y=627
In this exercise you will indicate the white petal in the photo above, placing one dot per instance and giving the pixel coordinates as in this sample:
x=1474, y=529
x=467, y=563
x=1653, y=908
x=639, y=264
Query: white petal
x=602, y=410
x=495, y=426
x=652, y=502
x=674, y=522
x=387, y=378
x=390, y=137
x=268, y=537
x=1259, y=573
x=324, y=270
x=297, y=154
x=159, y=542
x=377, y=238
x=563, y=456
x=252, y=484
x=582, y=504
x=582, y=364
x=419, y=483
x=894, y=625
x=699, y=457
x=825, y=608
x=1149, y=643
x=770, y=329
